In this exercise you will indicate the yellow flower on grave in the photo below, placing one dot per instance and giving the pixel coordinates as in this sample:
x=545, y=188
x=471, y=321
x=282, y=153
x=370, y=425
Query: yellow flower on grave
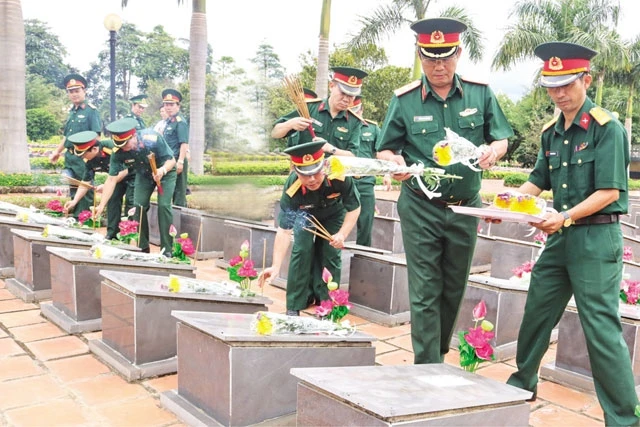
x=22, y=216
x=336, y=168
x=97, y=253
x=264, y=325
x=45, y=231
x=174, y=284
x=442, y=154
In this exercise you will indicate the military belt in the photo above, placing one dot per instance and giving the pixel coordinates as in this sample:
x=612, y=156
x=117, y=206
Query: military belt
x=598, y=219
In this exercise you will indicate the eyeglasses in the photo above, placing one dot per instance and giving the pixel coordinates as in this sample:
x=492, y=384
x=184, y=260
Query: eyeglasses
x=437, y=61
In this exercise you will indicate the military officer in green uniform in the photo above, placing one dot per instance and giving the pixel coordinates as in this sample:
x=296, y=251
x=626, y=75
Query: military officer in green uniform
x=82, y=116
x=176, y=133
x=330, y=118
x=439, y=243
x=138, y=105
x=583, y=159
x=365, y=185
x=97, y=157
x=335, y=203
x=133, y=152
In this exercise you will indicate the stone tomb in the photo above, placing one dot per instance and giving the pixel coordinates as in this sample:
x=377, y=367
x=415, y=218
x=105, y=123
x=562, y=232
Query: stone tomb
x=154, y=230
x=229, y=375
x=413, y=395
x=572, y=367
x=259, y=235
x=75, y=286
x=386, y=234
x=211, y=244
x=7, y=223
x=138, y=331
x=32, y=281
x=507, y=254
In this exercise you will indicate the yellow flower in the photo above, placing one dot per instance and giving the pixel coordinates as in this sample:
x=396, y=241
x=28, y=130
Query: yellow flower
x=97, y=253
x=45, y=232
x=336, y=167
x=22, y=217
x=442, y=154
x=174, y=284
x=264, y=326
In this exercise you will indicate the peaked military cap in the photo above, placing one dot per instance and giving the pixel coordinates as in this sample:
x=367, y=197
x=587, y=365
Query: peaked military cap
x=438, y=38
x=307, y=158
x=349, y=79
x=171, y=95
x=74, y=80
x=122, y=130
x=140, y=99
x=356, y=105
x=563, y=62
x=82, y=141
x=309, y=94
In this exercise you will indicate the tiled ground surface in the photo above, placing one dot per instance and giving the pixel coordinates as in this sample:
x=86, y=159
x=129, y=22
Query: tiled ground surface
x=49, y=378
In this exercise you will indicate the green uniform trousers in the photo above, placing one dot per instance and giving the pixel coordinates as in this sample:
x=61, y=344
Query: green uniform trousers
x=75, y=168
x=180, y=192
x=585, y=261
x=123, y=189
x=308, y=257
x=144, y=187
x=367, y=211
x=439, y=246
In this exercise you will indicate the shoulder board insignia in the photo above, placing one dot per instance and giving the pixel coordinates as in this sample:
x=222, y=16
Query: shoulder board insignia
x=115, y=149
x=92, y=106
x=107, y=150
x=550, y=123
x=150, y=137
x=310, y=100
x=408, y=88
x=178, y=119
x=291, y=191
x=357, y=116
x=601, y=115
x=371, y=121
x=469, y=80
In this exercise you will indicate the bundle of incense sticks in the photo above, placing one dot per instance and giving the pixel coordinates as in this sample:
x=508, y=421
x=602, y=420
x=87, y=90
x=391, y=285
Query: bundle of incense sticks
x=76, y=182
x=320, y=231
x=154, y=170
x=296, y=95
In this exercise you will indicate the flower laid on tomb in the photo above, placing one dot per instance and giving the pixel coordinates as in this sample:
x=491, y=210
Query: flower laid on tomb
x=128, y=231
x=85, y=220
x=337, y=306
x=54, y=207
x=241, y=270
x=266, y=323
x=70, y=234
x=182, y=246
x=186, y=285
x=11, y=208
x=630, y=291
x=33, y=217
x=475, y=346
x=110, y=252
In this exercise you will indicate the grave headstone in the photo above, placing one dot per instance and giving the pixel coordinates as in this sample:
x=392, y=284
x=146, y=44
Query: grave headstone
x=7, y=262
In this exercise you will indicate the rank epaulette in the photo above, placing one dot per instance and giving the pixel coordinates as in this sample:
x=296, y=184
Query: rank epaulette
x=109, y=151
x=92, y=106
x=371, y=121
x=549, y=123
x=601, y=115
x=291, y=191
x=408, y=87
x=311, y=100
x=178, y=119
x=469, y=80
x=359, y=117
x=114, y=149
x=150, y=137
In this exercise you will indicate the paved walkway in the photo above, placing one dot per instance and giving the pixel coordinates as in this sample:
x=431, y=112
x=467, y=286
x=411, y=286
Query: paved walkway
x=49, y=378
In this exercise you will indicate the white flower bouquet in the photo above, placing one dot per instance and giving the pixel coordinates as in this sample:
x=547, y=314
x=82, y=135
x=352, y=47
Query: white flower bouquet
x=66, y=233
x=33, y=217
x=267, y=323
x=106, y=251
x=11, y=208
x=194, y=286
x=456, y=149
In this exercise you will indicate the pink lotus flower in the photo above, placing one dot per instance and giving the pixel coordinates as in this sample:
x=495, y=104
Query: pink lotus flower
x=128, y=227
x=340, y=297
x=131, y=212
x=630, y=291
x=485, y=352
x=324, y=308
x=172, y=231
x=326, y=275
x=186, y=244
x=247, y=269
x=479, y=311
x=477, y=337
x=244, y=246
x=540, y=238
x=235, y=261
x=55, y=205
x=59, y=192
x=627, y=254
x=527, y=267
x=474, y=345
x=83, y=216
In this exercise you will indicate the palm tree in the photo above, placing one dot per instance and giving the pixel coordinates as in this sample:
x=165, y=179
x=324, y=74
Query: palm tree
x=587, y=22
x=14, y=153
x=628, y=76
x=322, y=75
x=197, y=82
x=387, y=19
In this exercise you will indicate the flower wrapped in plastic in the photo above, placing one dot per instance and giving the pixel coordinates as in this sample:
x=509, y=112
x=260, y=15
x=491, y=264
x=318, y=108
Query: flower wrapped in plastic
x=474, y=344
x=518, y=202
x=33, y=217
x=11, y=208
x=340, y=166
x=456, y=149
x=103, y=251
x=266, y=323
x=194, y=286
x=70, y=234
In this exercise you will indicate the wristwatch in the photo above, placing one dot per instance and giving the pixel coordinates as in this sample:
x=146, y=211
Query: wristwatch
x=334, y=150
x=567, y=219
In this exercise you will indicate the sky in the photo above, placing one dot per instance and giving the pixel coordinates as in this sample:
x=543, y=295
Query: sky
x=237, y=28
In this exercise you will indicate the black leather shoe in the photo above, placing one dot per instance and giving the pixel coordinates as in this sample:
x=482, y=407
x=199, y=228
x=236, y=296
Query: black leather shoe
x=293, y=312
x=533, y=398
x=146, y=250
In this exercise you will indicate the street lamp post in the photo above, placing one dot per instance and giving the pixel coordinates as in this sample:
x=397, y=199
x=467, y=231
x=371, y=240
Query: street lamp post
x=112, y=23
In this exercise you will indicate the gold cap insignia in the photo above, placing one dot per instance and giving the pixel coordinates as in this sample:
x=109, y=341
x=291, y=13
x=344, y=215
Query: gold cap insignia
x=307, y=158
x=437, y=37
x=72, y=81
x=352, y=80
x=555, y=63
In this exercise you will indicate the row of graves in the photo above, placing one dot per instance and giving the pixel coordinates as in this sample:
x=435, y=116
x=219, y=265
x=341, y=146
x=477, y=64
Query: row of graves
x=240, y=364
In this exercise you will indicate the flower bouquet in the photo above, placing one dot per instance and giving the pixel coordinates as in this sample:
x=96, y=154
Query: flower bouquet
x=630, y=291
x=69, y=234
x=128, y=233
x=337, y=306
x=193, y=286
x=12, y=209
x=456, y=149
x=86, y=220
x=102, y=251
x=340, y=166
x=522, y=273
x=33, y=217
x=182, y=246
x=241, y=270
x=474, y=344
x=267, y=323
x=54, y=207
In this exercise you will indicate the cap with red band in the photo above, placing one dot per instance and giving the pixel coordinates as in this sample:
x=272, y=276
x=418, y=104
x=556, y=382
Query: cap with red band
x=82, y=141
x=74, y=80
x=307, y=158
x=122, y=130
x=349, y=79
x=563, y=62
x=438, y=37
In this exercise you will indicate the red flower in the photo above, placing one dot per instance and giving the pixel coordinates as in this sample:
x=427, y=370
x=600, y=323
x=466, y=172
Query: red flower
x=187, y=245
x=55, y=205
x=324, y=308
x=83, y=216
x=235, y=261
x=485, y=352
x=340, y=297
x=479, y=311
x=247, y=269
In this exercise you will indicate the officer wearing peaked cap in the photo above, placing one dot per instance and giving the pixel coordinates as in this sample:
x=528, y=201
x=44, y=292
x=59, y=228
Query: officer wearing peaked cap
x=134, y=148
x=82, y=117
x=138, y=105
x=583, y=160
x=97, y=156
x=439, y=243
x=335, y=204
x=330, y=119
x=176, y=133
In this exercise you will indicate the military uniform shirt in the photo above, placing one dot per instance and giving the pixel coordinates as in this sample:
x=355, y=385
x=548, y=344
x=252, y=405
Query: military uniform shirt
x=176, y=133
x=140, y=124
x=416, y=119
x=576, y=162
x=341, y=131
x=81, y=118
x=333, y=196
x=368, y=136
x=149, y=141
